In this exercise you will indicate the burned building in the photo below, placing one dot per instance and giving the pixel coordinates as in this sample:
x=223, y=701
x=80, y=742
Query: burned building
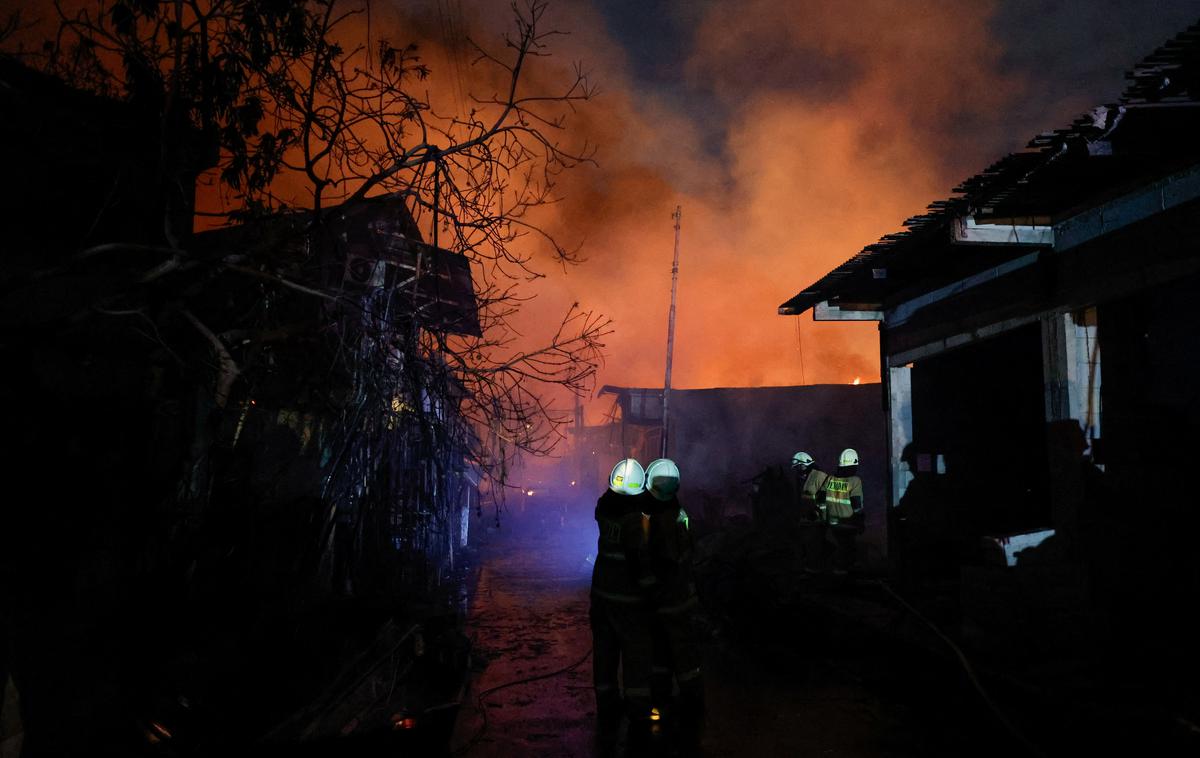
x=1038, y=335
x=239, y=448
x=377, y=287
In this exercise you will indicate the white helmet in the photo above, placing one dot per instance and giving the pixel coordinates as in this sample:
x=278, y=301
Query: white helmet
x=627, y=478
x=662, y=478
x=802, y=459
x=849, y=457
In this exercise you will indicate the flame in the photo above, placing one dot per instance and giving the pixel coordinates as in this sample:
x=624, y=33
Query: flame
x=857, y=381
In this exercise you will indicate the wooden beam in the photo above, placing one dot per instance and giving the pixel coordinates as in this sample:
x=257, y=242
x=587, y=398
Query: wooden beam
x=823, y=311
x=937, y=347
x=966, y=231
x=902, y=312
x=1151, y=200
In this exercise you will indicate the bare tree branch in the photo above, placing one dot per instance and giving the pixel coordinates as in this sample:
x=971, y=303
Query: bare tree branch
x=227, y=368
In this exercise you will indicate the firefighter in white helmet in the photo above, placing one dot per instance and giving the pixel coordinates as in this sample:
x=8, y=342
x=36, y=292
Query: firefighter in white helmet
x=676, y=650
x=809, y=481
x=627, y=478
x=620, y=612
x=842, y=497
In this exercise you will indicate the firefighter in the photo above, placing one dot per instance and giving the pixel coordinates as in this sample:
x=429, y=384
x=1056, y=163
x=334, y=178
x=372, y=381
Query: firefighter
x=620, y=613
x=676, y=651
x=809, y=481
x=841, y=504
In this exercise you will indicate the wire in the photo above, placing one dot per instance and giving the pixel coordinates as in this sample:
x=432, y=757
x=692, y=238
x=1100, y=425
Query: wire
x=800, y=347
x=970, y=671
x=454, y=10
x=479, y=700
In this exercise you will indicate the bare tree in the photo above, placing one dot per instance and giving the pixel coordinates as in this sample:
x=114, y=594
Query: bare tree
x=288, y=120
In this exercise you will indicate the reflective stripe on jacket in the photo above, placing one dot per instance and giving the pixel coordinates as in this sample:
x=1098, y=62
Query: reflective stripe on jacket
x=838, y=493
x=813, y=483
x=810, y=487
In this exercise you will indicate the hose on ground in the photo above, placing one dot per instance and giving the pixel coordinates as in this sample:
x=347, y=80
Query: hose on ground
x=970, y=672
x=481, y=707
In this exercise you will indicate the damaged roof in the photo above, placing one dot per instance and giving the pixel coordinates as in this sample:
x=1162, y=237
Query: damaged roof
x=1148, y=134
x=372, y=246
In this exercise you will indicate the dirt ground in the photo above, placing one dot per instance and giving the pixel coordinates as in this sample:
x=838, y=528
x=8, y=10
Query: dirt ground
x=528, y=617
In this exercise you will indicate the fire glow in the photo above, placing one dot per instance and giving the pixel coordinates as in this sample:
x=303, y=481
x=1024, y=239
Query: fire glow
x=857, y=153
x=858, y=156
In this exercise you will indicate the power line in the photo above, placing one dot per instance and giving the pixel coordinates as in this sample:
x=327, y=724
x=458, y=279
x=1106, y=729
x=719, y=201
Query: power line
x=448, y=53
x=450, y=22
x=800, y=347
x=460, y=53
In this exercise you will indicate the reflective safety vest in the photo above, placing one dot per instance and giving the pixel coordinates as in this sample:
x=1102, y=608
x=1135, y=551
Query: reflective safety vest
x=838, y=491
x=813, y=483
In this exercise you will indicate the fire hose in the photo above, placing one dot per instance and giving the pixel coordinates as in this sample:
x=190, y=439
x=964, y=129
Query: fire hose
x=482, y=709
x=969, y=670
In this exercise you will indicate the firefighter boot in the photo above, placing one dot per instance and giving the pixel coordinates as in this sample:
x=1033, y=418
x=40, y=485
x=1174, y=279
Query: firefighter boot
x=644, y=726
x=691, y=718
x=662, y=682
x=609, y=709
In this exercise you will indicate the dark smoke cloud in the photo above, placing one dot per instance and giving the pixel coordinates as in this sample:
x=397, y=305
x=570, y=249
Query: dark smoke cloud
x=794, y=133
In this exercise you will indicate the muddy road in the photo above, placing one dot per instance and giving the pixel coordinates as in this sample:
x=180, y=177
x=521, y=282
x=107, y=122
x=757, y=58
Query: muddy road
x=528, y=617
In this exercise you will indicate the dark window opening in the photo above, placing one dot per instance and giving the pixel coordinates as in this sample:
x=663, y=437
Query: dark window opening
x=979, y=411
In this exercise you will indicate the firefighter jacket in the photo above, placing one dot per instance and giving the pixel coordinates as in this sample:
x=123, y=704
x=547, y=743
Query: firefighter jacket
x=671, y=549
x=810, y=486
x=843, y=498
x=622, y=573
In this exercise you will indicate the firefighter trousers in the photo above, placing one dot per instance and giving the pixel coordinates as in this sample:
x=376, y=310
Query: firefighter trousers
x=621, y=641
x=677, y=655
x=844, y=539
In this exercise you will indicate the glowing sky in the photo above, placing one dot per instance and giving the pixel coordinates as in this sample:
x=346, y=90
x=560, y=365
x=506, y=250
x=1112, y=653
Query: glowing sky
x=792, y=133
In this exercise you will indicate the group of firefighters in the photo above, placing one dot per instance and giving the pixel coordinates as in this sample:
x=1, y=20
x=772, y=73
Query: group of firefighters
x=828, y=504
x=643, y=596
x=643, y=601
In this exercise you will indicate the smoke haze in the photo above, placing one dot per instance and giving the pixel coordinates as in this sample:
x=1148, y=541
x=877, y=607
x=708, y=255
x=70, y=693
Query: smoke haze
x=791, y=133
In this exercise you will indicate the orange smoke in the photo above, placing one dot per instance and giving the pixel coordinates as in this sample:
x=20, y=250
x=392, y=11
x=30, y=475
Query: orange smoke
x=839, y=122
x=835, y=120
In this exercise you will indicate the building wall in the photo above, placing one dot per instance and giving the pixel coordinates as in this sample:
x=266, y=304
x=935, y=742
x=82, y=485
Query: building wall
x=1151, y=403
x=1119, y=418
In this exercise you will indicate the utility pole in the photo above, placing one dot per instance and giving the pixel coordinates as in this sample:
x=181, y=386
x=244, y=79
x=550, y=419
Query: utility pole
x=677, y=215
